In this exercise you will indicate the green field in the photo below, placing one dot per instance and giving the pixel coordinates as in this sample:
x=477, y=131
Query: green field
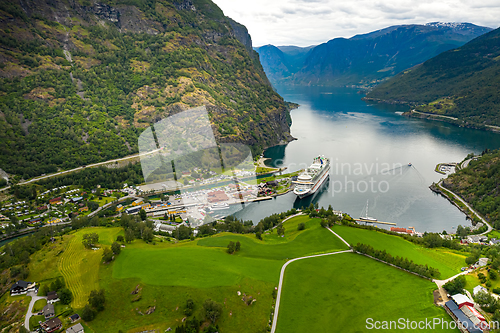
x=168, y=274
x=80, y=266
x=447, y=262
x=337, y=293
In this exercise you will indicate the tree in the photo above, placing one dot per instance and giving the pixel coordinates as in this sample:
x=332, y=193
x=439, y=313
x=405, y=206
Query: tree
x=213, y=310
x=120, y=238
x=280, y=229
x=147, y=235
x=116, y=248
x=142, y=214
x=258, y=234
x=237, y=246
x=107, y=255
x=129, y=235
x=97, y=299
x=88, y=314
x=301, y=226
x=493, y=274
x=231, y=247
x=455, y=286
x=65, y=296
x=89, y=240
x=57, y=285
x=189, y=307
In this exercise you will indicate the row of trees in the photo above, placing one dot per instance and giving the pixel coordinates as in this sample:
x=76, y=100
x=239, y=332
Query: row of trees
x=401, y=262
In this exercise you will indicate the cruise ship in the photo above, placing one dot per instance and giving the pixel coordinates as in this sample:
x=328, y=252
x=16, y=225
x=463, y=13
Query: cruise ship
x=313, y=177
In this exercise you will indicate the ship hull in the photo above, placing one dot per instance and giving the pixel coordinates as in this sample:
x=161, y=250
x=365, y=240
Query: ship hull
x=316, y=186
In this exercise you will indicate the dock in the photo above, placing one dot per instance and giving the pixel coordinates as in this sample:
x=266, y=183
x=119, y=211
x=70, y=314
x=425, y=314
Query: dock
x=379, y=222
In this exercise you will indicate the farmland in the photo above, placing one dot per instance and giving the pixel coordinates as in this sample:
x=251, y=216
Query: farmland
x=165, y=274
x=338, y=293
x=446, y=261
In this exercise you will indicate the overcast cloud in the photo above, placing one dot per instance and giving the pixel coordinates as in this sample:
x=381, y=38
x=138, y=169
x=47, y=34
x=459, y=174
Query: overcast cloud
x=311, y=22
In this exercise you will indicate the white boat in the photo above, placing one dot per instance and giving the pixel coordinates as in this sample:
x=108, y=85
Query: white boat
x=309, y=181
x=366, y=218
x=219, y=206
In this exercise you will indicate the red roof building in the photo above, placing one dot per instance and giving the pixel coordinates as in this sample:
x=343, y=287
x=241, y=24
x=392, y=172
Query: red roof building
x=217, y=196
x=55, y=200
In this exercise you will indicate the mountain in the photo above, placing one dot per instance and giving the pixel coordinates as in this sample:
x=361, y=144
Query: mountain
x=462, y=83
x=478, y=185
x=365, y=60
x=80, y=80
x=282, y=62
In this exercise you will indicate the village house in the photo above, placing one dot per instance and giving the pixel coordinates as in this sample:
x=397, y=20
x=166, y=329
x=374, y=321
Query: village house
x=478, y=289
x=74, y=317
x=48, y=311
x=52, y=297
x=51, y=325
x=22, y=287
x=494, y=241
x=78, y=328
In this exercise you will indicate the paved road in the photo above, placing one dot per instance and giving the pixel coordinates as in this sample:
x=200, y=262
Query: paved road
x=434, y=115
x=490, y=228
x=282, y=274
x=34, y=298
x=83, y=167
x=111, y=203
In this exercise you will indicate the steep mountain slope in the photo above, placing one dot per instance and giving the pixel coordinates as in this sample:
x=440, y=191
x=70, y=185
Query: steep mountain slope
x=478, y=185
x=463, y=83
x=281, y=62
x=80, y=80
x=371, y=58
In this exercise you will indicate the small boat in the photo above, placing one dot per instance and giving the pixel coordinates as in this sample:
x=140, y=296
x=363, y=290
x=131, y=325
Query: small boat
x=409, y=164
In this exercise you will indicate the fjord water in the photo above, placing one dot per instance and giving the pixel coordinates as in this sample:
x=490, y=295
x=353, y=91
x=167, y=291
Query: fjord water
x=370, y=146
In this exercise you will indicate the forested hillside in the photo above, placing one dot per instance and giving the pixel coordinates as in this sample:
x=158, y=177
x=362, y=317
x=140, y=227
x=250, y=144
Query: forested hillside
x=462, y=83
x=367, y=59
x=79, y=81
x=478, y=185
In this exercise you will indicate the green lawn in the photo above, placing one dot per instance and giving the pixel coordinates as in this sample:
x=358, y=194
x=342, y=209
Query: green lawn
x=38, y=306
x=34, y=321
x=313, y=240
x=447, y=262
x=261, y=260
x=338, y=293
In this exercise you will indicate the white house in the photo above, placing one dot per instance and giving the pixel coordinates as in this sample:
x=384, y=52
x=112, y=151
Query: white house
x=483, y=261
x=477, y=289
x=22, y=287
x=78, y=328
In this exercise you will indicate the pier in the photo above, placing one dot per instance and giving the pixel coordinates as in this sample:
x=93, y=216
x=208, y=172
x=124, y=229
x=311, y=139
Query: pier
x=379, y=222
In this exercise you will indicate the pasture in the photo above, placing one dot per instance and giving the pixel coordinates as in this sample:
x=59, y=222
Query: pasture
x=338, y=293
x=446, y=261
x=167, y=274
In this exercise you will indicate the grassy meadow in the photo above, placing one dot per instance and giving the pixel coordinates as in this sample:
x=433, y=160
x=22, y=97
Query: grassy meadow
x=448, y=262
x=318, y=296
x=166, y=274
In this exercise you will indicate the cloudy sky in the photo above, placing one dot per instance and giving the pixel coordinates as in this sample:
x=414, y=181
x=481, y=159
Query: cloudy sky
x=310, y=22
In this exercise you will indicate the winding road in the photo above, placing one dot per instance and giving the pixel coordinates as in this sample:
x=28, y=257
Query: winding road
x=490, y=228
x=34, y=298
x=282, y=275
